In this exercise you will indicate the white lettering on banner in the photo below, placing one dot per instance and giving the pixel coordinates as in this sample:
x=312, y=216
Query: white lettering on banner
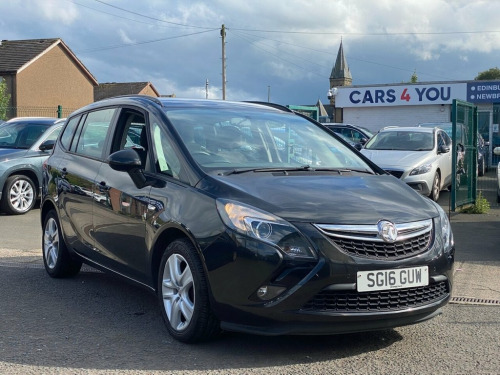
x=400, y=95
x=488, y=88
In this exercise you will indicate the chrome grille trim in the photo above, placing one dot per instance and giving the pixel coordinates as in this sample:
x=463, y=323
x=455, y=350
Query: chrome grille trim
x=370, y=232
x=365, y=241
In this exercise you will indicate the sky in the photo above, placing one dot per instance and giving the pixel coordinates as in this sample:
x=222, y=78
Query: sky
x=281, y=51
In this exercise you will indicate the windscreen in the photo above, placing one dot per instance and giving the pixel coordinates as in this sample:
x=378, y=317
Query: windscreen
x=402, y=140
x=222, y=138
x=20, y=135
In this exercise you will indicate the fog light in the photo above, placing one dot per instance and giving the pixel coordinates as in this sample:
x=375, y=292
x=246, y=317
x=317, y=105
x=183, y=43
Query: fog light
x=267, y=292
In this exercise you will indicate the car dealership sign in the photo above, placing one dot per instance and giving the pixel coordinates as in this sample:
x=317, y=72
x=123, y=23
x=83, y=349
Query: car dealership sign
x=378, y=96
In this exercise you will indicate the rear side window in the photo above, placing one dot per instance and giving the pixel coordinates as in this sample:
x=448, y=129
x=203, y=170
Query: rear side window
x=95, y=129
x=69, y=132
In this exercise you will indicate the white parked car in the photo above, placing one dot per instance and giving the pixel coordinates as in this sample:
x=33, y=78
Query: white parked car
x=496, y=151
x=419, y=156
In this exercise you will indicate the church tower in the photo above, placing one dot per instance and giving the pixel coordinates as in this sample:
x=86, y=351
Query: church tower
x=340, y=76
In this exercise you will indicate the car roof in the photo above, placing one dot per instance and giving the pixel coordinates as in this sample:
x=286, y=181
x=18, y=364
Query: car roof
x=409, y=128
x=33, y=120
x=184, y=103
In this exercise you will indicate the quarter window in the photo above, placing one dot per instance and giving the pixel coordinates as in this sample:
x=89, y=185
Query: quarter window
x=166, y=160
x=69, y=132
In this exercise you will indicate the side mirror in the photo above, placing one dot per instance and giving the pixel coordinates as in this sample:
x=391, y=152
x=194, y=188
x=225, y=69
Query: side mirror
x=444, y=149
x=363, y=141
x=130, y=162
x=47, y=145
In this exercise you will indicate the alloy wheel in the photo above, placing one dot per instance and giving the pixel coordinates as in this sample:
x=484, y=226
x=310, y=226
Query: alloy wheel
x=178, y=292
x=51, y=243
x=21, y=195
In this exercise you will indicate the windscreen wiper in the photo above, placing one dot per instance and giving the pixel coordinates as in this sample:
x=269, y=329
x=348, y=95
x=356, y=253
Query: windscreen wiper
x=273, y=169
x=297, y=169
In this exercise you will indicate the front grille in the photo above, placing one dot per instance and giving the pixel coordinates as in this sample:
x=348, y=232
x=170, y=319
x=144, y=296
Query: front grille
x=388, y=300
x=384, y=250
x=397, y=174
x=366, y=240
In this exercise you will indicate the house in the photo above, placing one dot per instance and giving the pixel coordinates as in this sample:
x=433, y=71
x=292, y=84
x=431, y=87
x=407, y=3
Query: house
x=107, y=90
x=42, y=74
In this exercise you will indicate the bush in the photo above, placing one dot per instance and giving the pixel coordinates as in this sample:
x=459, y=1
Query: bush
x=482, y=206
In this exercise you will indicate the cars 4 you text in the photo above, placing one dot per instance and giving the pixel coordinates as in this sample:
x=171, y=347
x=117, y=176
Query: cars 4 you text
x=416, y=94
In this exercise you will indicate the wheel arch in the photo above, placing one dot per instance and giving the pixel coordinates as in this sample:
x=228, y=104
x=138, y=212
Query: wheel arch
x=161, y=242
x=45, y=208
x=31, y=174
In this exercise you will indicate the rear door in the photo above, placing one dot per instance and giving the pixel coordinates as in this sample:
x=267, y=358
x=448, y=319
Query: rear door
x=85, y=140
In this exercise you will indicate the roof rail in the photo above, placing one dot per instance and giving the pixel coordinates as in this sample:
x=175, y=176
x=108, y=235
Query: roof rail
x=139, y=96
x=273, y=105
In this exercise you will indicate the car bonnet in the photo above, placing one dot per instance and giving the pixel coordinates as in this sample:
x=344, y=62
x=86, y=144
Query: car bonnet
x=327, y=198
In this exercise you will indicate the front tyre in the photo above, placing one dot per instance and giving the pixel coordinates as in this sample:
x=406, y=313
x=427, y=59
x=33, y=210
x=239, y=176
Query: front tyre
x=56, y=258
x=183, y=294
x=19, y=195
x=436, y=188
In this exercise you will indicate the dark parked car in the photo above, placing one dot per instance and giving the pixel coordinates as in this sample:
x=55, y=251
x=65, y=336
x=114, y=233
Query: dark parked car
x=357, y=134
x=22, y=152
x=242, y=217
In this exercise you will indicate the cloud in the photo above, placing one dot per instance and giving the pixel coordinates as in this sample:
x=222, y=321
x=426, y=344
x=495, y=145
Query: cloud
x=290, y=45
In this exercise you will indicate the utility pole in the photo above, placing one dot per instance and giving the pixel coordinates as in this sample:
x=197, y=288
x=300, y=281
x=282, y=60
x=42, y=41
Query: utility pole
x=206, y=89
x=223, y=35
x=268, y=94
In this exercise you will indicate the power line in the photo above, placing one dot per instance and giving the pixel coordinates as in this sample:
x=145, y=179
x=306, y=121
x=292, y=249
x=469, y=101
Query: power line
x=143, y=42
x=149, y=17
x=340, y=33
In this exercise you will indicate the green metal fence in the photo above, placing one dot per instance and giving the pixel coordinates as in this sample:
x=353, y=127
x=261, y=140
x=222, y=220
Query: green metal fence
x=464, y=137
x=24, y=111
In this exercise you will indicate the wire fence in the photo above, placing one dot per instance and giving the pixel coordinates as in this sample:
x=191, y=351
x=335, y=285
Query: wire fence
x=28, y=111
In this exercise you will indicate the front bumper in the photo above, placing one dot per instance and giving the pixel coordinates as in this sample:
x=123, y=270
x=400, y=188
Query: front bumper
x=320, y=295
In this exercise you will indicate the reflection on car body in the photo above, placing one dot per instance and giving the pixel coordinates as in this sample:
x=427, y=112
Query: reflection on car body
x=243, y=217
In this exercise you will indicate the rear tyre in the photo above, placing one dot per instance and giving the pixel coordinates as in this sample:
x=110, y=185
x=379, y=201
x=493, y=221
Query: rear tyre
x=19, y=195
x=56, y=258
x=481, y=167
x=436, y=188
x=183, y=294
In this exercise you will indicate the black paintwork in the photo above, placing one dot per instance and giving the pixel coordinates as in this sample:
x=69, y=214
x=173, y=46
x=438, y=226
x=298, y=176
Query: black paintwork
x=118, y=225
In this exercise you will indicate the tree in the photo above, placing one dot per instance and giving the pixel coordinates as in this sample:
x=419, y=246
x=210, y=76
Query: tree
x=4, y=99
x=414, y=77
x=487, y=75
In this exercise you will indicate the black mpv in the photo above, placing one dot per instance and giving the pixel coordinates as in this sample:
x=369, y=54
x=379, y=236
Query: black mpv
x=241, y=217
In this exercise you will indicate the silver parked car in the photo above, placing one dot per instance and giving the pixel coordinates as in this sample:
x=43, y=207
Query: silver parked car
x=419, y=156
x=23, y=149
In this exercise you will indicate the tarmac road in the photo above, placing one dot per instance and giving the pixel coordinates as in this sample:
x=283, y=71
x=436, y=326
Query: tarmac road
x=97, y=324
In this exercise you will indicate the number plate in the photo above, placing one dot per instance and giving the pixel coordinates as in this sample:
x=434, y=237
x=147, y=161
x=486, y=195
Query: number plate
x=369, y=281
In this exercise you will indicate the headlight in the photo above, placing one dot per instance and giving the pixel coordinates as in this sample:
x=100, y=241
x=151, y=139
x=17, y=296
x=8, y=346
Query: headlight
x=264, y=227
x=421, y=169
x=446, y=233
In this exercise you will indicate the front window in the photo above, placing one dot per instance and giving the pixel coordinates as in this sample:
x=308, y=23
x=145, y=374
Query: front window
x=20, y=135
x=402, y=140
x=241, y=139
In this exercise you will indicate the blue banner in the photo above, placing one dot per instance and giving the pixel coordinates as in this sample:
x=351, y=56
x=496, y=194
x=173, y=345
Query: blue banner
x=483, y=92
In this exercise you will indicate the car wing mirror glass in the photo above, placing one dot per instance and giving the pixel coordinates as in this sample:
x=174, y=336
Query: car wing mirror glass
x=47, y=145
x=444, y=149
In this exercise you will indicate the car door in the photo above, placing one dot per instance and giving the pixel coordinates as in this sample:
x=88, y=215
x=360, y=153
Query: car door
x=120, y=207
x=84, y=139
